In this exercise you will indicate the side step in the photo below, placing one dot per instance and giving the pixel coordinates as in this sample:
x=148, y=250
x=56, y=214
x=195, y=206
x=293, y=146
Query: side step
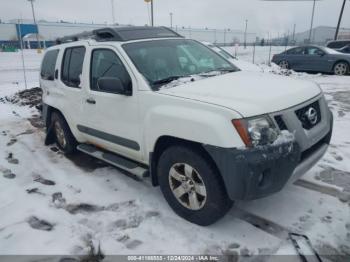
x=115, y=160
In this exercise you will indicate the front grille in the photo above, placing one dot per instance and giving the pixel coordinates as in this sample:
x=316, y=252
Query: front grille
x=280, y=122
x=310, y=115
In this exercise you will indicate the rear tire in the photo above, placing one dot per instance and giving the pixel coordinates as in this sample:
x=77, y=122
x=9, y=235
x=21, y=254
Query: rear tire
x=63, y=136
x=192, y=186
x=341, y=68
x=283, y=64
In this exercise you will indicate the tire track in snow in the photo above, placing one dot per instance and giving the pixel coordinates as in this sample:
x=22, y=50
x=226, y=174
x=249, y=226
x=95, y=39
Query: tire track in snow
x=331, y=191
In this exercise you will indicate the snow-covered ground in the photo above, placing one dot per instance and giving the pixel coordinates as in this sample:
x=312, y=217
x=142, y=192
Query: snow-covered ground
x=52, y=205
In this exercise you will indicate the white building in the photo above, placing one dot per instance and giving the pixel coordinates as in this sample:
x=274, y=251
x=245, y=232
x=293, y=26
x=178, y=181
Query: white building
x=50, y=31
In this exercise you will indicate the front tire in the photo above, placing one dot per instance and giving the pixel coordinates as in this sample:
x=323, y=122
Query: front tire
x=192, y=186
x=63, y=136
x=341, y=68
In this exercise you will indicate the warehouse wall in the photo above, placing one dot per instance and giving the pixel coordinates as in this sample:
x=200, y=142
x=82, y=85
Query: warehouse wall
x=8, y=32
x=51, y=31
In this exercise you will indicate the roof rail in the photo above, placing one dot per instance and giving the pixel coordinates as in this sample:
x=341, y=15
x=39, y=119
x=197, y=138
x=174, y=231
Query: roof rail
x=121, y=34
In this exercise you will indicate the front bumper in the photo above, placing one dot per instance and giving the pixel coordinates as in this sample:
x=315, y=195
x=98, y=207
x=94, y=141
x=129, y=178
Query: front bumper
x=259, y=172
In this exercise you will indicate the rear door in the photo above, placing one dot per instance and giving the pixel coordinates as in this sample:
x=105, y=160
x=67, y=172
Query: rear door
x=70, y=84
x=295, y=58
x=111, y=119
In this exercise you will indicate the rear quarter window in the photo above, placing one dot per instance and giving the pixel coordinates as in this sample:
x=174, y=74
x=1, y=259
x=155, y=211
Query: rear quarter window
x=72, y=66
x=48, y=65
x=295, y=51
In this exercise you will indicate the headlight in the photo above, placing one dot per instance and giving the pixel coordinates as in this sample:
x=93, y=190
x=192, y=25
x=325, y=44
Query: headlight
x=257, y=131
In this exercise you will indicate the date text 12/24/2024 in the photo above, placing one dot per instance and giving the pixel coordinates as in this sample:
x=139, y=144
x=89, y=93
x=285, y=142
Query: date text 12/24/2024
x=173, y=258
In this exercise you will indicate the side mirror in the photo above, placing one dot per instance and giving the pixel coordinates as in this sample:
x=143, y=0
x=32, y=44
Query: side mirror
x=113, y=85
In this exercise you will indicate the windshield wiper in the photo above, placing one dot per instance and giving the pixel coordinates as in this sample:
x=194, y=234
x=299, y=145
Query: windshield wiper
x=221, y=70
x=166, y=80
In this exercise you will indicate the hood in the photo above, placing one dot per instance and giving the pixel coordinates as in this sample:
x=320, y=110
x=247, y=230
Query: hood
x=248, y=93
x=245, y=66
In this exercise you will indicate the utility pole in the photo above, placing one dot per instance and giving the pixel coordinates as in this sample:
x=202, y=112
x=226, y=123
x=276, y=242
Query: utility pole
x=37, y=27
x=152, y=13
x=339, y=21
x=113, y=15
x=312, y=15
x=224, y=37
x=22, y=56
x=294, y=32
x=312, y=21
x=245, y=34
x=171, y=20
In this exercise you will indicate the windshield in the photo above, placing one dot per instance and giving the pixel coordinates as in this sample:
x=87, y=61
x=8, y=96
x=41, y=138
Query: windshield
x=224, y=53
x=163, y=61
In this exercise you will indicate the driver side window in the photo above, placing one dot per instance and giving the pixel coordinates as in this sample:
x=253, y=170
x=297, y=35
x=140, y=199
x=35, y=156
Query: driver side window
x=106, y=63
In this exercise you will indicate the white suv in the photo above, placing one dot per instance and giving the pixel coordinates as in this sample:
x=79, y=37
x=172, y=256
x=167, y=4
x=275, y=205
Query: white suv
x=152, y=103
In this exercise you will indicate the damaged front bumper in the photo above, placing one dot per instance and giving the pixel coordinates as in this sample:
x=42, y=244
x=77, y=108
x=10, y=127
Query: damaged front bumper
x=259, y=172
x=256, y=172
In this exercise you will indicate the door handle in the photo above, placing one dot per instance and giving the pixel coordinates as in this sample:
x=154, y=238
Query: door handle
x=91, y=101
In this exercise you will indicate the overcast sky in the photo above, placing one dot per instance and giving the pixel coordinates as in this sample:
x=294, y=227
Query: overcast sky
x=276, y=17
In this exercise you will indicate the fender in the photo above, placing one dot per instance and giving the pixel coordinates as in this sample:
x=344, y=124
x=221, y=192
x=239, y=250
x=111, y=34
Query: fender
x=202, y=124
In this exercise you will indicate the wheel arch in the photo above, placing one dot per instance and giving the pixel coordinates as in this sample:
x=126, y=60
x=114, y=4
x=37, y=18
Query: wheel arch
x=341, y=61
x=47, y=114
x=48, y=111
x=164, y=142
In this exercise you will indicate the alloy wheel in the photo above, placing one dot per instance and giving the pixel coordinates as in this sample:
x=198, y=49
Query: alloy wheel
x=187, y=186
x=284, y=64
x=340, y=69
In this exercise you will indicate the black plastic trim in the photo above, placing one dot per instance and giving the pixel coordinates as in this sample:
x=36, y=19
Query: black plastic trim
x=119, y=160
x=253, y=173
x=110, y=138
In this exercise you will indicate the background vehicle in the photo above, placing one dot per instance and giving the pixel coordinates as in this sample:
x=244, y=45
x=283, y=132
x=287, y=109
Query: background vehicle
x=243, y=65
x=345, y=49
x=314, y=59
x=338, y=44
x=150, y=102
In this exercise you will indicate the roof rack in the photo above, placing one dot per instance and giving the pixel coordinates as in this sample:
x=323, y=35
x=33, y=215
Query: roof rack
x=121, y=34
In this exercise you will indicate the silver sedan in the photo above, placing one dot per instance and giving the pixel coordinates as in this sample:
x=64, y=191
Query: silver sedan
x=314, y=59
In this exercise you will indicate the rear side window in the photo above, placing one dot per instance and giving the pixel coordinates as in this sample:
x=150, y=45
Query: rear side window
x=72, y=66
x=48, y=65
x=106, y=63
x=296, y=51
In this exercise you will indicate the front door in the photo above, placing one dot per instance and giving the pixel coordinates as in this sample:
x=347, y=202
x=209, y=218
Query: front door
x=111, y=119
x=315, y=59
